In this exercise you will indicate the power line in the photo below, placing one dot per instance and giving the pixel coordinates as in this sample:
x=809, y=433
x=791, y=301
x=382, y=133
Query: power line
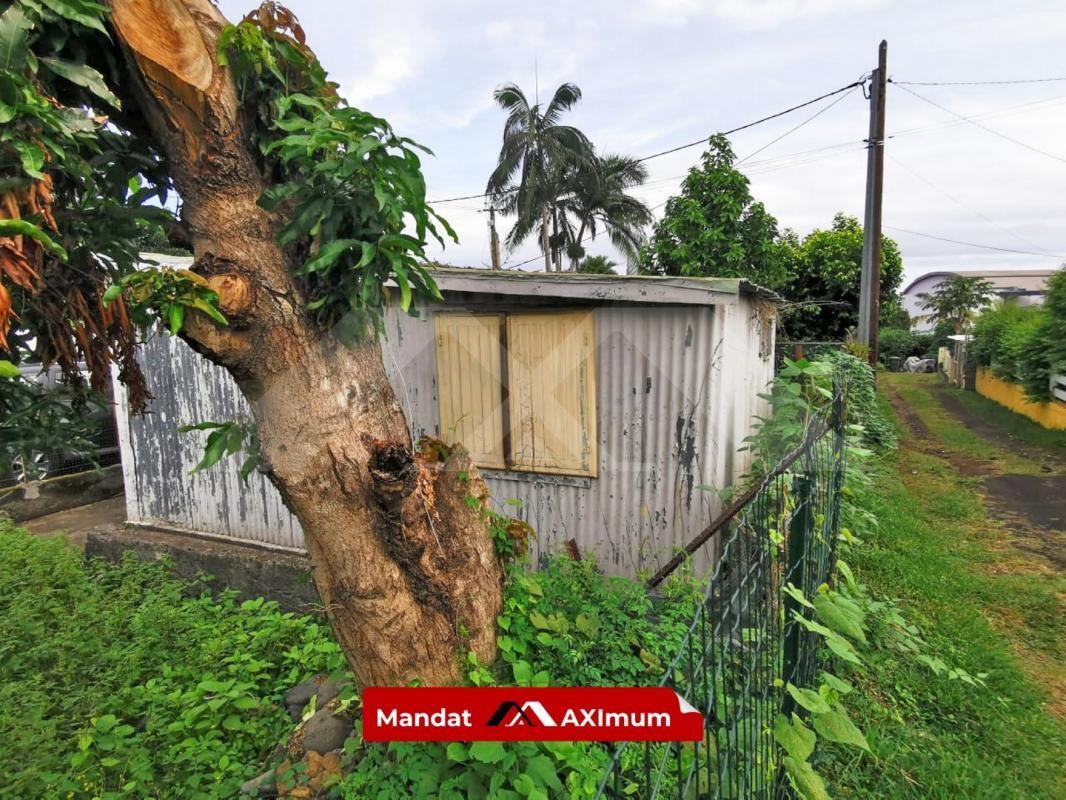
x=973, y=211
x=699, y=141
x=1019, y=108
x=758, y=121
x=976, y=83
x=792, y=130
x=983, y=127
x=972, y=244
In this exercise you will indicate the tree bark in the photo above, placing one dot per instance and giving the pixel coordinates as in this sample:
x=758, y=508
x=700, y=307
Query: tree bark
x=405, y=565
x=544, y=239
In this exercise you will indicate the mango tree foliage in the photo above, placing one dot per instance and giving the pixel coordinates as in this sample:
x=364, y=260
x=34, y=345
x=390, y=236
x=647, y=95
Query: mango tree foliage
x=824, y=274
x=306, y=218
x=715, y=228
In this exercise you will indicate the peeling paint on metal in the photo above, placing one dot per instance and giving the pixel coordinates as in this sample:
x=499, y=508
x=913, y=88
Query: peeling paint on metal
x=676, y=394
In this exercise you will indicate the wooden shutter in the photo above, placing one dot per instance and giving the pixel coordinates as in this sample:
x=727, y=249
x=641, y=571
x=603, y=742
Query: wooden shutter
x=551, y=376
x=469, y=363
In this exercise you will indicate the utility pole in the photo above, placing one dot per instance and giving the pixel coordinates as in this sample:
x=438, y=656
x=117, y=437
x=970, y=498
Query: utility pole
x=494, y=239
x=870, y=287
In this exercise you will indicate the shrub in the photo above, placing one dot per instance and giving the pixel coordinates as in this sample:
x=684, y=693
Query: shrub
x=566, y=625
x=896, y=343
x=115, y=683
x=862, y=405
x=997, y=339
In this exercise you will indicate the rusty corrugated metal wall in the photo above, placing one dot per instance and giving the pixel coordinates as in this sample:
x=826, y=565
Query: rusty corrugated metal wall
x=677, y=390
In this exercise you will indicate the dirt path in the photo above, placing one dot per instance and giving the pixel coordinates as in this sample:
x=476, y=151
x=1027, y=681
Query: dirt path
x=1050, y=458
x=1032, y=507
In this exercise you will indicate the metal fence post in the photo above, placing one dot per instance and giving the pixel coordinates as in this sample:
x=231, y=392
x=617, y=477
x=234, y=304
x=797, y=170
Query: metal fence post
x=800, y=528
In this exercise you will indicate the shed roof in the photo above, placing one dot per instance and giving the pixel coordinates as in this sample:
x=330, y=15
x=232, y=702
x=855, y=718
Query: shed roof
x=667, y=290
x=621, y=288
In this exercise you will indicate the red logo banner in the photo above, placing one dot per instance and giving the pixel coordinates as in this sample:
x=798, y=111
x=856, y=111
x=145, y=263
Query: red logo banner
x=511, y=714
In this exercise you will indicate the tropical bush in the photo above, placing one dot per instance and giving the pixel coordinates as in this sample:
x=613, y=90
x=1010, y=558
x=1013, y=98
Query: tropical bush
x=902, y=343
x=1025, y=344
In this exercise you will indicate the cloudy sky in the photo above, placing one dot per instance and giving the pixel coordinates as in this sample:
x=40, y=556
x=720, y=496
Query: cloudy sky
x=659, y=73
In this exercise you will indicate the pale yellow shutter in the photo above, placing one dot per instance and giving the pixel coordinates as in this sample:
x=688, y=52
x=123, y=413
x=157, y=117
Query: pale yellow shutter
x=551, y=378
x=468, y=384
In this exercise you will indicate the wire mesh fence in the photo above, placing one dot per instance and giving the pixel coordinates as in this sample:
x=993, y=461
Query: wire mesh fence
x=744, y=645
x=37, y=465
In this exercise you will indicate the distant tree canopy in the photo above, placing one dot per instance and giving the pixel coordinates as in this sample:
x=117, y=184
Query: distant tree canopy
x=822, y=279
x=715, y=227
x=957, y=300
x=597, y=265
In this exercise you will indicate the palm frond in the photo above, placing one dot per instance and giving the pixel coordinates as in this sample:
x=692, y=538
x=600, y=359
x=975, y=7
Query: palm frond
x=565, y=98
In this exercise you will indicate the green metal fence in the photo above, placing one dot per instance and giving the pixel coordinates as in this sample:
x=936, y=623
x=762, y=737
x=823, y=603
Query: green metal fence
x=744, y=645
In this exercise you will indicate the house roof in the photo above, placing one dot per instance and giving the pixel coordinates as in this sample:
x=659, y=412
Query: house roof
x=1021, y=280
x=621, y=288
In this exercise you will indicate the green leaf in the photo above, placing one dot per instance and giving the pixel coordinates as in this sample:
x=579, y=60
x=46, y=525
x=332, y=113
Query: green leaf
x=838, y=684
x=840, y=616
x=543, y=770
x=797, y=739
x=14, y=35
x=249, y=466
x=836, y=726
x=806, y=781
x=842, y=648
x=457, y=752
x=201, y=426
x=328, y=254
x=73, y=11
x=111, y=294
x=808, y=699
x=523, y=673
x=175, y=318
x=81, y=75
x=232, y=723
x=8, y=370
x=32, y=158
x=524, y=785
x=21, y=227
x=797, y=595
x=488, y=752
x=207, y=308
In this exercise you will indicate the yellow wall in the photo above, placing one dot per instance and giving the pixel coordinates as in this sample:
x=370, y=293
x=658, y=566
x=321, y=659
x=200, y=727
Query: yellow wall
x=1048, y=415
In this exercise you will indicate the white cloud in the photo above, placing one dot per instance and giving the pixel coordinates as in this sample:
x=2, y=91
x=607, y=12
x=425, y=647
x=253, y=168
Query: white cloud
x=387, y=62
x=755, y=14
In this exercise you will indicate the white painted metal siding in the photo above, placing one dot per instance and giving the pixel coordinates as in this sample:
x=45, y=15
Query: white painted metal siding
x=676, y=393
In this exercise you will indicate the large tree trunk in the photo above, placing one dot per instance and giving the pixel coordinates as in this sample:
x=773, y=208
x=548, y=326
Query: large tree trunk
x=404, y=564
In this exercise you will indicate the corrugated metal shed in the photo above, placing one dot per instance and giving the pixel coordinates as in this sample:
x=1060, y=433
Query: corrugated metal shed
x=679, y=365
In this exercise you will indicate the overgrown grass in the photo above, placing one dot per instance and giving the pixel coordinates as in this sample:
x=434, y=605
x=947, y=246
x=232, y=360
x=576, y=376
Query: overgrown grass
x=934, y=550
x=1016, y=425
x=114, y=682
x=952, y=432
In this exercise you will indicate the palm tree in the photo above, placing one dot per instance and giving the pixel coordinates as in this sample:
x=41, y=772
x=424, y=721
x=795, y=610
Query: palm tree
x=598, y=195
x=597, y=265
x=535, y=153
